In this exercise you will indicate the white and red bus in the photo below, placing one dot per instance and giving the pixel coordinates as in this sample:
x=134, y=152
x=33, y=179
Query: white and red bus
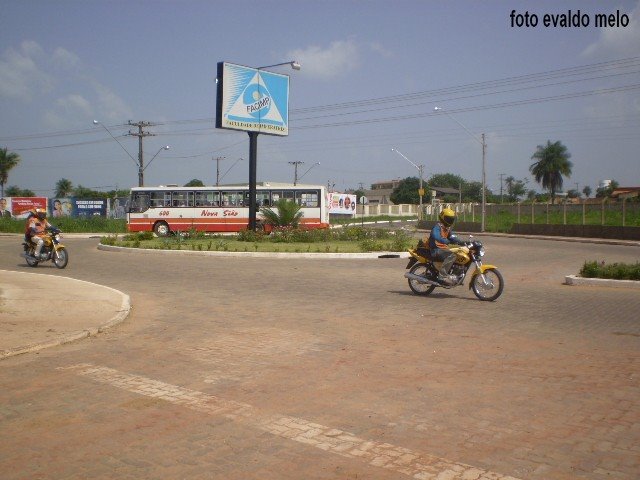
x=223, y=208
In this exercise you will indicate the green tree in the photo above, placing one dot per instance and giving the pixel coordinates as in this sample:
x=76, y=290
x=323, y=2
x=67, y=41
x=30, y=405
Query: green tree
x=551, y=163
x=84, y=192
x=14, y=191
x=286, y=214
x=515, y=189
x=607, y=191
x=406, y=191
x=63, y=187
x=8, y=160
x=587, y=191
x=194, y=183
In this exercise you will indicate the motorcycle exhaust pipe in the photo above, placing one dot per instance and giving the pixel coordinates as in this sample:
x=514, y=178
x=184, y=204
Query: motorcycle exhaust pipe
x=420, y=279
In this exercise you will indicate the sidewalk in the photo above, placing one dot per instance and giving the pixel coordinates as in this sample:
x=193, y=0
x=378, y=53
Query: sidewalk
x=39, y=311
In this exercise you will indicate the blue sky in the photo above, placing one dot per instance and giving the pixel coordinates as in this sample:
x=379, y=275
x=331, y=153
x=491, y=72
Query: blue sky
x=372, y=73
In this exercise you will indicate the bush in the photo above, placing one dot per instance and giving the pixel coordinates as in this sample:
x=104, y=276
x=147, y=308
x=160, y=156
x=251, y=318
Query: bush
x=615, y=271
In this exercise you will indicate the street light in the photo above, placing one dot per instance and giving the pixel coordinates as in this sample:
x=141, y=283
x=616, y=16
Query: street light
x=294, y=64
x=166, y=147
x=228, y=170
x=421, y=170
x=96, y=122
x=309, y=169
x=484, y=150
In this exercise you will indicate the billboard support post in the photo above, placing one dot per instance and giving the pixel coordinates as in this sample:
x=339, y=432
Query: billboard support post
x=253, y=166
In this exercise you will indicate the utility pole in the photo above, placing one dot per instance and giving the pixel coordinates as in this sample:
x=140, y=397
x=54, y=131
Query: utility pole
x=501, y=175
x=140, y=134
x=218, y=170
x=295, y=175
x=484, y=184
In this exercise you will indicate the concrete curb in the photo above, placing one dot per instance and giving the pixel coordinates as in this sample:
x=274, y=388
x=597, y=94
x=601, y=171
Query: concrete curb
x=575, y=280
x=288, y=255
x=119, y=317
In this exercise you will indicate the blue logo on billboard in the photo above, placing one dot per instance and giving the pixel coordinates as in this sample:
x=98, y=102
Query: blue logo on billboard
x=257, y=100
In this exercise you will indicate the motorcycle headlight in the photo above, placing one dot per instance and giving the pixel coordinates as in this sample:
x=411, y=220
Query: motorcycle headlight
x=481, y=251
x=57, y=237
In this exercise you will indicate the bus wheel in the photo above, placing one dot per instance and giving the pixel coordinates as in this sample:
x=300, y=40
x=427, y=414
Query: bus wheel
x=161, y=229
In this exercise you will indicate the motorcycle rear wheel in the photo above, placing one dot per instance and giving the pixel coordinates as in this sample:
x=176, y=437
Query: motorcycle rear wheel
x=32, y=262
x=60, y=257
x=492, y=289
x=417, y=287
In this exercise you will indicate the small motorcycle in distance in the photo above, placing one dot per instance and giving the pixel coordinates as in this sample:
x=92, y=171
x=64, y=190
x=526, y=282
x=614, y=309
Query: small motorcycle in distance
x=51, y=250
x=486, y=281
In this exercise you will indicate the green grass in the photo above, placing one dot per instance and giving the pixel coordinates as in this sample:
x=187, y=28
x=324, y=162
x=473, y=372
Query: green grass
x=70, y=225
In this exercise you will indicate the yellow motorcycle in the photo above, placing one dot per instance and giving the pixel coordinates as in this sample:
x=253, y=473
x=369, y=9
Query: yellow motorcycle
x=51, y=250
x=486, y=281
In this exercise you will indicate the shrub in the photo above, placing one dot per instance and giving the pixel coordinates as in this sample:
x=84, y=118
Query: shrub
x=615, y=271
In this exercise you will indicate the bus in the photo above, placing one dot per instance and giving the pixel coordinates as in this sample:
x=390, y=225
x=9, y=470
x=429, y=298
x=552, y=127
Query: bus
x=225, y=208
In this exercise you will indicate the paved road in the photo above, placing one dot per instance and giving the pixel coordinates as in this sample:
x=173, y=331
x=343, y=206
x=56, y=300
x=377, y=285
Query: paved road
x=232, y=368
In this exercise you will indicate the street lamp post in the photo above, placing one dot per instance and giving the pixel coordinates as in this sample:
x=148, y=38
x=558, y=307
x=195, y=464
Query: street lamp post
x=308, y=170
x=421, y=171
x=96, y=122
x=484, y=152
x=166, y=147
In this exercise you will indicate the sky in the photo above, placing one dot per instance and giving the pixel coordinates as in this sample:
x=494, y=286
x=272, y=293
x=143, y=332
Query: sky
x=372, y=73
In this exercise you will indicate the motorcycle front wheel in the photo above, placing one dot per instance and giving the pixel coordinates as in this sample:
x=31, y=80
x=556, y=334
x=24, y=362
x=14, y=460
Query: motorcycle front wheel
x=60, y=257
x=417, y=287
x=490, y=288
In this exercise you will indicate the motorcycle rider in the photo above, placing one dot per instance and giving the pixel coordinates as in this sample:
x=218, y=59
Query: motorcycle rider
x=36, y=225
x=441, y=237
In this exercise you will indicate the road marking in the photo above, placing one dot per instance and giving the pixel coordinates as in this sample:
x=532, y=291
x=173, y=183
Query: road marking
x=420, y=466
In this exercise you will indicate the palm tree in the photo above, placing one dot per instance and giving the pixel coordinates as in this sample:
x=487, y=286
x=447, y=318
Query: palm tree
x=288, y=214
x=7, y=162
x=552, y=162
x=63, y=187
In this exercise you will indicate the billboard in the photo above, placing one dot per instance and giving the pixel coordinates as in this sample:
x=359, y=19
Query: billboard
x=21, y=206
x=342, y=203
x=252, y=100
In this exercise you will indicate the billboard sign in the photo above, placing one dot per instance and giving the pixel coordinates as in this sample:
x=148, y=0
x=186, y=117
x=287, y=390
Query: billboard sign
x=21, y=206
x=252, y=100
x=342, y=203
x=90, y=208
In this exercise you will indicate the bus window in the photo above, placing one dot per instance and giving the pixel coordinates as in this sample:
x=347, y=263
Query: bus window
x=307, y=198
x=207, y=199
x=232, y=199
x=139, y=202
x=262, y=199
x=159, y=199
x=182, y=199
x=289, y=195
x=275, y=196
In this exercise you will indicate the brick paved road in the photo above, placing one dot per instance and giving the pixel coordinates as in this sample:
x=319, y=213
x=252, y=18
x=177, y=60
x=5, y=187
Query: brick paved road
x=235, y=368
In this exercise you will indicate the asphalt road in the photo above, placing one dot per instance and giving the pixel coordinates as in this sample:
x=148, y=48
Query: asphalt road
x=239, y=368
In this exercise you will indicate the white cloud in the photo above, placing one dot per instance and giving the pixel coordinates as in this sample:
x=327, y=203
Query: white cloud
x=618, y=41
x=75, y=103
x=110, y=104
x=20, y=75
x=340, y=57
x=64, y=58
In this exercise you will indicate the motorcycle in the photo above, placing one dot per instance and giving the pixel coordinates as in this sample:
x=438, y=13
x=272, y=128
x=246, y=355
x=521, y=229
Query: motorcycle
x=486, y=281
x=52, y=250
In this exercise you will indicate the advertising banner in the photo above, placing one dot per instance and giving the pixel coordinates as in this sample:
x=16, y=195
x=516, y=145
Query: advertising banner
x=252, y=100
x=5, y=207
x=61, y=207
x=89, y=208
x=21, y=206
x=342, y=204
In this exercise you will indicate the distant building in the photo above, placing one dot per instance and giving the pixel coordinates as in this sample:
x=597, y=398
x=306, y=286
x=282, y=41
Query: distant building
x=380, y=192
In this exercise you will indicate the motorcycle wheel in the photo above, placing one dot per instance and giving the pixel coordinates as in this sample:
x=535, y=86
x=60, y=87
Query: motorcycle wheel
x=417, y=287
x=32, y=262
x=492, y=289
x=60, y=258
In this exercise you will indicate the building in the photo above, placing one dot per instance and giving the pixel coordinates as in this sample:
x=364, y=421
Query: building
x=380, y=192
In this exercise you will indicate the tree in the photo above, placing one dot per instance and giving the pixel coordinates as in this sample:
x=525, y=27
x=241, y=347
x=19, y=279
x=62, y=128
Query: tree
x=587, y=191
x=406, y=191
x=14, y=191
x=515, y=189
x=608, y=190
x=552, y=162
x=8, y=160
x=194, y=183
x=63, y=187
x=288, y=214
